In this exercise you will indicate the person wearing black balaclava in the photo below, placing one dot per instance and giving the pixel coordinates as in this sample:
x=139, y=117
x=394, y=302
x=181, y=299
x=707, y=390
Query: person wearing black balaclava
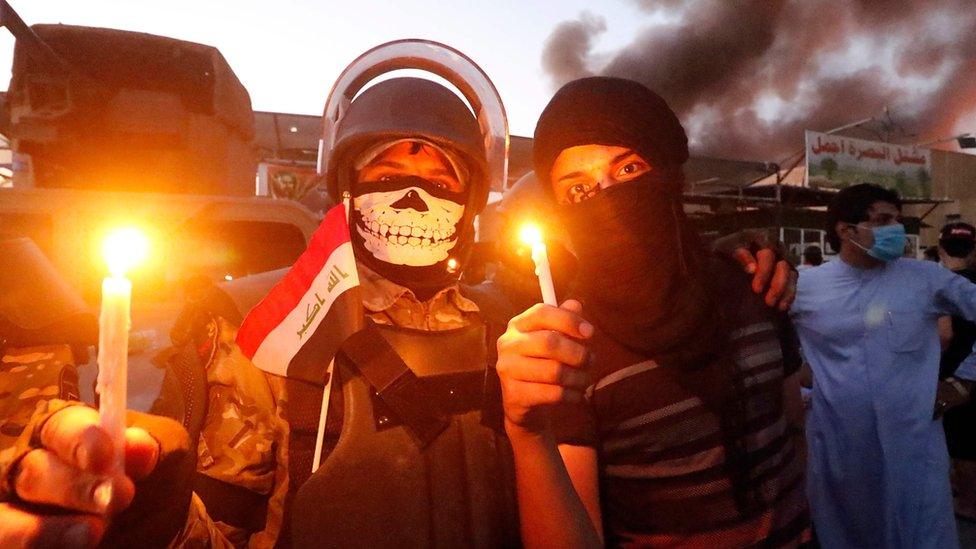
x=653, y=408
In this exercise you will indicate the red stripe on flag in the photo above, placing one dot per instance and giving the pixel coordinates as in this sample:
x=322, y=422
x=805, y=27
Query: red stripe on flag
x=286, y=294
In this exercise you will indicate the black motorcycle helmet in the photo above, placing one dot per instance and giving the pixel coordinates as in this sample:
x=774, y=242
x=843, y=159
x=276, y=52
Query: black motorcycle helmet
x=404, y=108
x=414, y=108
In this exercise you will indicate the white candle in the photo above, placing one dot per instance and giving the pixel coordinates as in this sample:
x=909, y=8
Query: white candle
x=533, y=236
x=122, y=249
x=113, y=353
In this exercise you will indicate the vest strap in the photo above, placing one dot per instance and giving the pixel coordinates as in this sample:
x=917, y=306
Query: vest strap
x=395, y=384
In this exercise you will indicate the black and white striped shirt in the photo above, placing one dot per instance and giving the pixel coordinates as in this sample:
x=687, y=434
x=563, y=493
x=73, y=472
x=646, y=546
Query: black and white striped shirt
x=663, y=469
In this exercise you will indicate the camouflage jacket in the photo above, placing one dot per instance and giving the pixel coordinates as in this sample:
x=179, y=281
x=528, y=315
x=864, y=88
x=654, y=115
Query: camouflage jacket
x=28, y=376
x=244, y=440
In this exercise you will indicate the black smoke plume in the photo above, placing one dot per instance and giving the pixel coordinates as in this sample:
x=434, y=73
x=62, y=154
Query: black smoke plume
x=747, y=78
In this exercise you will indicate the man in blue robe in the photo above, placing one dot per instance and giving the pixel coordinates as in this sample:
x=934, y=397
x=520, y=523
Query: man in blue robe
x=878, y=466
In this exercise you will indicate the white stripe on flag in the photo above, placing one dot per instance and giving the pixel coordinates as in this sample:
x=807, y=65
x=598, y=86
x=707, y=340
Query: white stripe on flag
x=283, y=343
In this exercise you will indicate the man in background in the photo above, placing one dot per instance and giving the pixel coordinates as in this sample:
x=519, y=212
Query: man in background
x=957, y=242
x=812, y=257
x=868, y=327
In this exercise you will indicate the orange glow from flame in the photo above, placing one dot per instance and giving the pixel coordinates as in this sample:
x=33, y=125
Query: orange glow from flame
x=530, y=234
x=125, y=248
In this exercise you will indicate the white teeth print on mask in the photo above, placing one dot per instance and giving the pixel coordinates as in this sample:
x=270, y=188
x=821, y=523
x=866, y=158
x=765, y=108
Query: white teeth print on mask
x=408, y=236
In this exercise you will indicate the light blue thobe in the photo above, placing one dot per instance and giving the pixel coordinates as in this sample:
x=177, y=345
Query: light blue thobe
x=878, y=473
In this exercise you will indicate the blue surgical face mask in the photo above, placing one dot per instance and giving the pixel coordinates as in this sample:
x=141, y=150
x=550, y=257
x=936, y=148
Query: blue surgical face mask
x=889, y=242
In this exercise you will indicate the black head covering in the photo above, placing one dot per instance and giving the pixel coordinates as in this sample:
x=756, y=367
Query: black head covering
x=610, y=111
x=640, y=274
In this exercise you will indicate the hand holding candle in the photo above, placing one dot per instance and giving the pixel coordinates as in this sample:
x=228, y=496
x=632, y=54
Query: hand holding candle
x=122, y=250
x=532, y=235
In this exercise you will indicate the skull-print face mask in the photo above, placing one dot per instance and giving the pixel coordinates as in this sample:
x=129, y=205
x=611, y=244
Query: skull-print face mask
x=406, y=228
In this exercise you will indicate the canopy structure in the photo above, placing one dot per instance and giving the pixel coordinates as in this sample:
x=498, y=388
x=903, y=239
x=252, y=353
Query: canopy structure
x=779, y=200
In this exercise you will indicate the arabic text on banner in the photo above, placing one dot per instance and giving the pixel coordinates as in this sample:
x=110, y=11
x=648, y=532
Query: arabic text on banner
x=836, y=162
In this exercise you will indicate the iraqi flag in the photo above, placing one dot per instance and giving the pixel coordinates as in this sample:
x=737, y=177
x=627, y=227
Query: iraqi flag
x=297, y=329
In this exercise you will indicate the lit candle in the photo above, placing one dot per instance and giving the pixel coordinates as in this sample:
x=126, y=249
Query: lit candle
x=122, y=249
x=532, y=235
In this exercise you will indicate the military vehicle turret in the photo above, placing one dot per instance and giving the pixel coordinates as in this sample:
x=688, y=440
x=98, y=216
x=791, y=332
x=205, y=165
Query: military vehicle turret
x=112, y=128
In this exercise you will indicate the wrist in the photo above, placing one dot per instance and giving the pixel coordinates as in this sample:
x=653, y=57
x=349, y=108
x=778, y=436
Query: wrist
x=520, y=433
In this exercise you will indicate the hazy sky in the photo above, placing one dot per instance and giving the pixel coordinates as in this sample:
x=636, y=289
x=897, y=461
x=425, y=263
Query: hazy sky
x=288, y=52
x=746, y=80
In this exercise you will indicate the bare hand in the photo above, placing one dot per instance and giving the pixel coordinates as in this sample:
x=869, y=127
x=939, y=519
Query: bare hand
x=769, y=274
x=757, y=251
x=66, y=488
x=539, y=363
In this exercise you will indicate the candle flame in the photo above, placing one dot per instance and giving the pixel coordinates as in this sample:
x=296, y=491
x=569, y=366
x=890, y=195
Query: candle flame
x=452, y=265
x=530, y=234
x=125, y=248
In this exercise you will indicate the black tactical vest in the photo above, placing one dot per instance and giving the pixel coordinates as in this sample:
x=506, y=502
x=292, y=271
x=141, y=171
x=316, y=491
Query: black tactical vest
x=416, y=463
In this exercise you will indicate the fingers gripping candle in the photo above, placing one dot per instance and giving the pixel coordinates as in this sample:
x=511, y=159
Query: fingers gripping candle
x=122, y=249
x=532, y=235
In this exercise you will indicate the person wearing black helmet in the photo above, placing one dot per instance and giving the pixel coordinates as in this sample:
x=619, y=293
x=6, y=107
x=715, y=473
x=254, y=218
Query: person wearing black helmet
x=414, y=461
x=655, y=408
x=377, y=140
x=417, y=177
x=408, y=460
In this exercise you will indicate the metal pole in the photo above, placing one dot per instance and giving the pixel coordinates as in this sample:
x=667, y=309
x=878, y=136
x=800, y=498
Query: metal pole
x=943, y=140
x=277, y=151
x=849, y=126
x=35, y=47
